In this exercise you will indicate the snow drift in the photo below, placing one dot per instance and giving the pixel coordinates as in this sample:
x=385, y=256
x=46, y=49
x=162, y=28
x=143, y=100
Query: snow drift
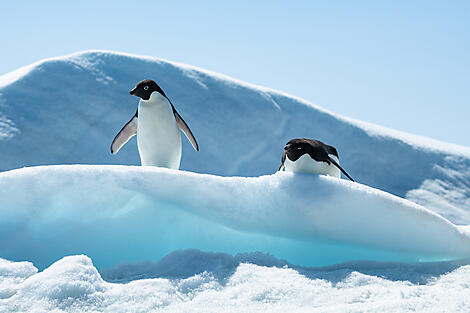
x=73, y=284
x=122, y=213
x=68, y=110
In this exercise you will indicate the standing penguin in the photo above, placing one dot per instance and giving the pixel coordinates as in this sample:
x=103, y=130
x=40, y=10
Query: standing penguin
x=311, y=156
x=157, y=126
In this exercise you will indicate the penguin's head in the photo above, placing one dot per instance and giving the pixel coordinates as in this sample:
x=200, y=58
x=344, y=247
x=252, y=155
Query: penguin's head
x=295, y=148
x=145, y=88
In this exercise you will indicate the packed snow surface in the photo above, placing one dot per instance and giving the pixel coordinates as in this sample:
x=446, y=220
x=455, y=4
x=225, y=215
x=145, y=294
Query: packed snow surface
x=68, y=110
x=73, y=284
x=131, y=213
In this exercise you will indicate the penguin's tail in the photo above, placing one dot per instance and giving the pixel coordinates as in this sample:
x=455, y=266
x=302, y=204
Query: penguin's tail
x=340, y=168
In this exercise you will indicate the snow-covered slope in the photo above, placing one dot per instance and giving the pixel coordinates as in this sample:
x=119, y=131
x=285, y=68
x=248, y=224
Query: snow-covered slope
x=122, y=213
x=68, y=109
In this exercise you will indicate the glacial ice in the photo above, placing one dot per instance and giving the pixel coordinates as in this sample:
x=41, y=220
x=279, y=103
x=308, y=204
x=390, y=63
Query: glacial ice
x=67, y=110
x=162, y=240
x=128, y=214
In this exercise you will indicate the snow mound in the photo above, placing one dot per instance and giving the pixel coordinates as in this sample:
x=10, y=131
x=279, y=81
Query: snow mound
x=122, y=213
x=68, y=110
x=73, y=284
x=12, y=274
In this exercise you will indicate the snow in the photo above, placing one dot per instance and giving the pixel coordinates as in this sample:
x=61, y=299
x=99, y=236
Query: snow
x=12, y=274
x=73, y=284
x=115, y=213
x=68, y=109
x=226, y=234
x=7, y=130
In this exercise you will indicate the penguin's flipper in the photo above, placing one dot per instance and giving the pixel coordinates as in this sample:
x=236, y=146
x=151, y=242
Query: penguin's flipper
x=185, y=128
x=126, y=133
x=283, y=159
x=340, y=168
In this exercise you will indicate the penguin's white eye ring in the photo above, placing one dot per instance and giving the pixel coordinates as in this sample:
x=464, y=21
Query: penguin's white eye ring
x=146, y=88
x=299, y=148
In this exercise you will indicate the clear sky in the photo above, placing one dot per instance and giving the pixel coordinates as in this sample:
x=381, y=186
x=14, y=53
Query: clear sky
x=400, y=64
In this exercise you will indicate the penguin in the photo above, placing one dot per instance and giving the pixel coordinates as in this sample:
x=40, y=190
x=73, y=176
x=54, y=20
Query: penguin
x=311, y=156
x=157, y=125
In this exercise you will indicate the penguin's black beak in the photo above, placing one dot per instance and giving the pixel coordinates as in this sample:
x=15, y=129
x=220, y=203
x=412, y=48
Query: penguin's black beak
x=132, y=92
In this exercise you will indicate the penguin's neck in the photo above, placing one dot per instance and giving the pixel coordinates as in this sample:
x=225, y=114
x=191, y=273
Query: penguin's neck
x=307, y=164
x=156, y=100
x=156, y=112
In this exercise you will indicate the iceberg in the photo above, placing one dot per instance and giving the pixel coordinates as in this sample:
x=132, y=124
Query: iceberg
x=67, y=110
x=153, y=239
x=120, y=214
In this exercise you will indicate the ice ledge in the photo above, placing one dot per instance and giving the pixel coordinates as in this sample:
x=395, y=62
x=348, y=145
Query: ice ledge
x=130, y=213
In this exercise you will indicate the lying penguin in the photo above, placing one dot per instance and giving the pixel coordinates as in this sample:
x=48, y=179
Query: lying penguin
x=157, y=125
x=311, y=156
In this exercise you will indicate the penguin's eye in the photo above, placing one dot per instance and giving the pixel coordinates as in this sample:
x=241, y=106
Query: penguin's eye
x=299, y=148
x=146, y=88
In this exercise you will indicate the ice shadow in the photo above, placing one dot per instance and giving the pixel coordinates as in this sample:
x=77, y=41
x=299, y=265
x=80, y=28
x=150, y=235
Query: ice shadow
x=186, y=263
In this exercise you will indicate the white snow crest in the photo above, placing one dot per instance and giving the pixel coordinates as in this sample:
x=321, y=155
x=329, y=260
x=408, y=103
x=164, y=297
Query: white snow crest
x=12, y=274
x=73, y=284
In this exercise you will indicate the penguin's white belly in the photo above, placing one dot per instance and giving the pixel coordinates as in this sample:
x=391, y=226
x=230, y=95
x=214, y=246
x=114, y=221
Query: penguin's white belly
x=158, y=135
x=306, y=164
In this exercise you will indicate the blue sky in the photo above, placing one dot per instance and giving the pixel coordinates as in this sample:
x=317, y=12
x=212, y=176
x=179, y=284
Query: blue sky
x=401, y=64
